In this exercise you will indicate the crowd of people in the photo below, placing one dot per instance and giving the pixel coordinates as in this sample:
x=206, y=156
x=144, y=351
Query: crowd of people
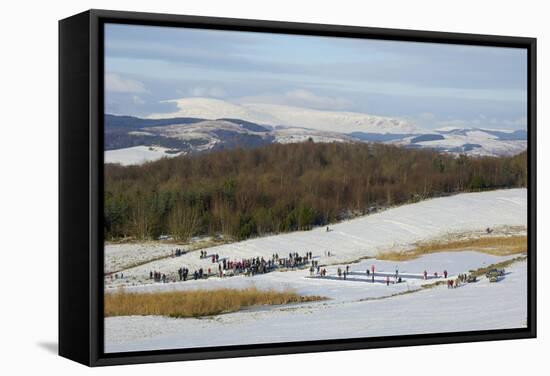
x=250, y=266
x=178, y=252
x=157, y=276
x=315, y=268
x=387, y=278
x=183, y=273
x=245, y=266
x=260, y=265
x=116, y=276
x=460, y=280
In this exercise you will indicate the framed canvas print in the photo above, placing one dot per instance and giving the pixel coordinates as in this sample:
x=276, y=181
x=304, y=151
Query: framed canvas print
x=235, y=187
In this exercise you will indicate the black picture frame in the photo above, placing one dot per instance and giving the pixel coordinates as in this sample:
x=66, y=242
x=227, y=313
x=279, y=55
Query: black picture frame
x=81, y=181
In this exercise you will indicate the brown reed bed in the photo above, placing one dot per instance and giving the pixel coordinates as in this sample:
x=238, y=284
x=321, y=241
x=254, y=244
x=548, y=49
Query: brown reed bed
x=196, y=303
x=494, y=245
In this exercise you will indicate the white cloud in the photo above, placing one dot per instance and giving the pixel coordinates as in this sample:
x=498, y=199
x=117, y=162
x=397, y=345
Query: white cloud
x=137, y=99
x=522, y=122
x=300, y=98
x=118, y=84
x=211, y=92
x=312, y=100
x=483, y=122
x=455, y=123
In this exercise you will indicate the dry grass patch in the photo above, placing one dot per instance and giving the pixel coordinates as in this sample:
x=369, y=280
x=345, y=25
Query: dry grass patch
x=196, y=303
x=494, y=245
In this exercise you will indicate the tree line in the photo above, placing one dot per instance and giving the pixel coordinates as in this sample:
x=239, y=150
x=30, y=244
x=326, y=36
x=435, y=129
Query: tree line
x=242, y=193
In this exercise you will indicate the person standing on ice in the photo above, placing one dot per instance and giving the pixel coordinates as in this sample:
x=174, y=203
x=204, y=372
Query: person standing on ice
x=445, y=274
x=425, y=274
x=387, y=280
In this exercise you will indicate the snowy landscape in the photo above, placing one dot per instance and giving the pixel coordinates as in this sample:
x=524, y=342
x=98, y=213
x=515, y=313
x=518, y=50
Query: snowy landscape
x=270, y=187
x=356, y=307
x=209, y=125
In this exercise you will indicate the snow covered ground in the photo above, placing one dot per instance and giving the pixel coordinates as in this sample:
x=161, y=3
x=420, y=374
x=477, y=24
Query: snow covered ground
x=476, y=306
x=137, y=155
x=361, y=237
x=122, y=256
x=356, y=306
x=357, y=286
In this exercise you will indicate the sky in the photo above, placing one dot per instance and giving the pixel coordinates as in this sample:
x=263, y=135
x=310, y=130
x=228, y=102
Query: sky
x=430, y=85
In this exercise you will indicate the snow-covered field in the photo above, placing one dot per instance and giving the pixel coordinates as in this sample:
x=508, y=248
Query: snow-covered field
x=123, y=256
x=476, y=306
x=356, y=307
x=137, y=155
x=358, y=238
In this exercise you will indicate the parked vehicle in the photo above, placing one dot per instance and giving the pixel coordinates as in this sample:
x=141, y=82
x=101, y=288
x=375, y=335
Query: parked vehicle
x=495, y=272
x=495, y=275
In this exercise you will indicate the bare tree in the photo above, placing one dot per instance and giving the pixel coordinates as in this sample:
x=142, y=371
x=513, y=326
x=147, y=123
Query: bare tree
x=184, y=221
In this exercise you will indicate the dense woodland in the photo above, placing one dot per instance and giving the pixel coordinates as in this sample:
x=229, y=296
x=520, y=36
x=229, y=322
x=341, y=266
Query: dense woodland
x=280, y=188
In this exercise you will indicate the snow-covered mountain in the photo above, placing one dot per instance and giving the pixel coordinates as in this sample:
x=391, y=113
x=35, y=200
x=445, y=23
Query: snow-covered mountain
x=274, y=115
x=472, y=141
x=130, y=140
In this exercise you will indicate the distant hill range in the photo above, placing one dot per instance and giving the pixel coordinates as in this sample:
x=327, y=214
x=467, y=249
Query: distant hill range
x=132, y=140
